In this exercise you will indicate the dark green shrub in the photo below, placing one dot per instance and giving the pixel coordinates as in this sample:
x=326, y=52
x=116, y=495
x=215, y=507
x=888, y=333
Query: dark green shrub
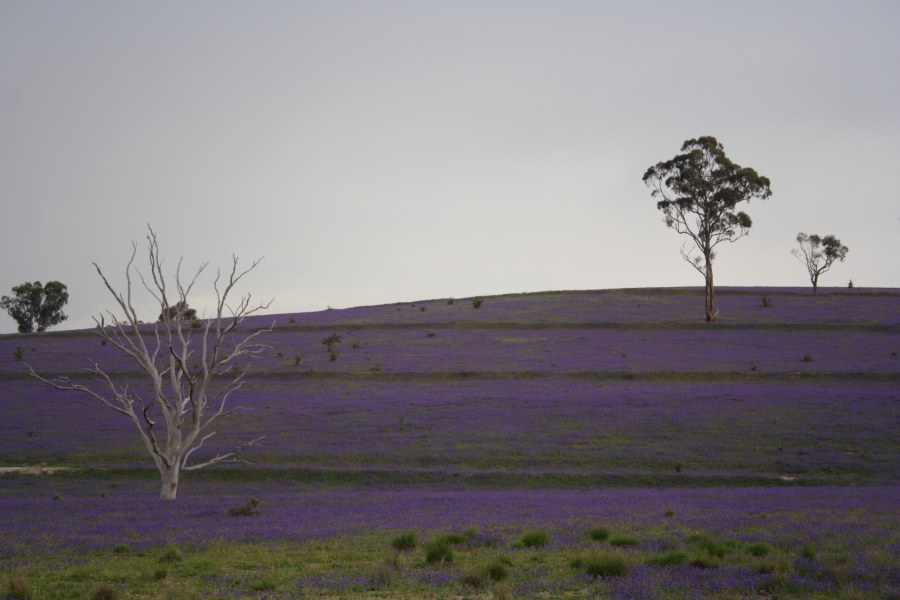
x=534, y=539
x=122, y=549
x=759, y=549
x=248, y=508
x=669, y=512
x=477, y=302
x=606, y=564
x=669, y=559
x=170, y=554
x=405, y=541
x=598, y=533
x=18, y=588
x=104, y=592
x=766, y=302
x=450, y=301
x=19, y=353
x=705, y=561
x=623, y=540
x=160, y=574
x=297, y=359
x=807, y=357
x=439, y=551
x=710, y=546
x=455, y=538
x=808, y=551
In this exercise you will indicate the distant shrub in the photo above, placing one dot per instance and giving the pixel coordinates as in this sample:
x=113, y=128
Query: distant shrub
x=894, y=353
x=330, y=342
x=850, y=284
x=422, y=309
x=160, y=574
x=438, y=550
x=430, y=334
x=376, y=368
x=759, y=549
x=474, y=580
x=598, y=533
x=477, y=302
x=19, y=588
x=292, y=320
x=57, y=497
x=705, y=561
x=450, y=301
x=716, y=548
x=19, y=353
x=808, y=551
x=297, y=359
x=807, y=357
x=170, y=554
x=669, y=559
x=405, y=541
x=623, y=540
x=248, y=508
x=498, y=570
x=122, y=549
x=607, y=564
x=534, y=539
x=104, y=592
x=669, y=512
x=383, y=575
x=455, y=538
x=766, y=302
x=752, y=366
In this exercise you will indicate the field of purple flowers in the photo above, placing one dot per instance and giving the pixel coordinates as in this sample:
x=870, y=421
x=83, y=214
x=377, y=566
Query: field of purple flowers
x=772, y=428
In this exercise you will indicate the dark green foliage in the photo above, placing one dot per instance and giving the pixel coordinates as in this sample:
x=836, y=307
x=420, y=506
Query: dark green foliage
x=104, y=592
x=698, y=192
x=623, y=540
x=35, y=307
x=808, y=551
x=180, y=311
x=710, y=546
x=766, y=302
x=330, y=342
x=759, y=549
x=19, y=353
x=498, y=569
x=160, y=574
x=122, y=549
x=438, y=550
x=477, y=302
x=405, y=541
x=297, y=359
x=605, y=564
x=669, y=512
x=170, y=554
x=598, y=533
x=807, y=357
x=669, y=559
x=18, y=588
x=450, y=301
x=248, y=508
x=534, y=539
x=705, y=561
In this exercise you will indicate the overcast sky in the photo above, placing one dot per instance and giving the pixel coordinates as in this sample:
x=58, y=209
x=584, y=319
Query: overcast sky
x=377, y=152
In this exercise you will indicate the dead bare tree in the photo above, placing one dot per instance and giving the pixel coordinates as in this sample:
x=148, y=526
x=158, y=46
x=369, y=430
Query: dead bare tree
x=192, y=371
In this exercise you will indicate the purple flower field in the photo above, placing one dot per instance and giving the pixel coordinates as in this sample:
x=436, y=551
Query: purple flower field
x=556, y=411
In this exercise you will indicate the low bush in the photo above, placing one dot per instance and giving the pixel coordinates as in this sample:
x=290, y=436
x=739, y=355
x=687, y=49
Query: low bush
x=714, y=548
x=607, y=564
x=807, y=357
x=405, y=541
x=623, y=540
x=104, y=592
x=669, y=559
x=759, y=549
x=808, y=551
x=248, y=508
x=19, y=588
x=598, y=533
x=438, y=551
x=477, y=302
x=534, y=539
x=170, y=554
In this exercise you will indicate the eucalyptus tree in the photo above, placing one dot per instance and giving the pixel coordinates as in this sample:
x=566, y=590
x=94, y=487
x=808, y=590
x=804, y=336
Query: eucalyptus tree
x=699, y=191
x=189, y=373
x=36, y=306
x=818, y=254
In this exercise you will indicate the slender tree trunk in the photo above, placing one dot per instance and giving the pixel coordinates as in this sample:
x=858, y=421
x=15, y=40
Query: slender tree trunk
x=169, y=478
x=815, y=282
x=710, y=294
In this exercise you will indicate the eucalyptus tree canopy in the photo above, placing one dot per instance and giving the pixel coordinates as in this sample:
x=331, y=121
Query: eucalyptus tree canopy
x=818, y=254
x=188, y=373
x=698, y=191
x=36, y=306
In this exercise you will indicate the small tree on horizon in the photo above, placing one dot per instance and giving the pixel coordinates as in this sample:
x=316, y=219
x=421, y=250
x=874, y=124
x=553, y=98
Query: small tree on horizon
x=191, y=374
x=35, y=307
x=818, y=254
x=698, y=192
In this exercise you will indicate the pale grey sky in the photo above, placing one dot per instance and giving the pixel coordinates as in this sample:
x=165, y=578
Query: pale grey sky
x=396, y=151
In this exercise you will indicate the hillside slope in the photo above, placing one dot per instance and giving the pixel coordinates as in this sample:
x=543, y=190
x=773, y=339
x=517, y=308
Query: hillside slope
x=623, y=387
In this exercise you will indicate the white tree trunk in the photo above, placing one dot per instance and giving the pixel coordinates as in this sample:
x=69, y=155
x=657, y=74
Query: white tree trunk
x=169, y=477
